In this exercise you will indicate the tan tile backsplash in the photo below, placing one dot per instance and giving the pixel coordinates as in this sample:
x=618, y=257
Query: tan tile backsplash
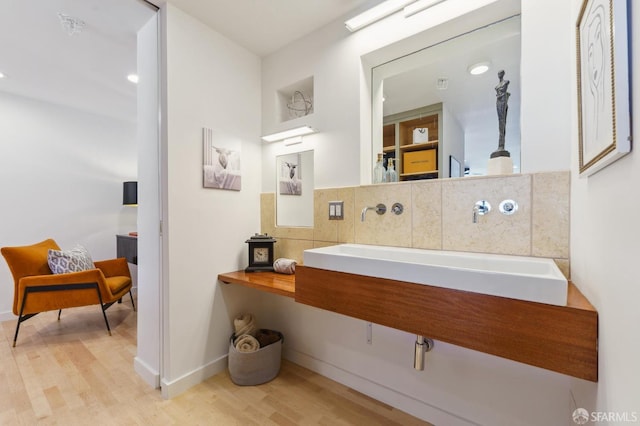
x=438, y=215
x=426, y=199
x=493, y=232
x=550, y=215
x=387, y=229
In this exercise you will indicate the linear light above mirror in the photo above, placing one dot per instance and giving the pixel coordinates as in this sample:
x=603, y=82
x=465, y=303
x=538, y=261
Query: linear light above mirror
x=376, y=13
x=419, y=6
x=291, y=133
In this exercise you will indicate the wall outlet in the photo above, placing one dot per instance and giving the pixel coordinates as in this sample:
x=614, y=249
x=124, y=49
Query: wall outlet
x=369, y=333
x=336, y=210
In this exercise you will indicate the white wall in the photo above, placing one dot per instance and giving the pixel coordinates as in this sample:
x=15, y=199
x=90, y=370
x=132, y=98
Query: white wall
x=547, y=75
x=459, y=386
x=605, y=252
x=214, y=83
x=61, y=174
x=147, y=360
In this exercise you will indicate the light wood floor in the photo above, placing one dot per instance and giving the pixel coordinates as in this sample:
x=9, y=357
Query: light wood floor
x=71, y=372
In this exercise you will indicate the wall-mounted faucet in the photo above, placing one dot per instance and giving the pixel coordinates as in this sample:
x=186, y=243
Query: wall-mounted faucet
x=380, y=209
x=481, y=208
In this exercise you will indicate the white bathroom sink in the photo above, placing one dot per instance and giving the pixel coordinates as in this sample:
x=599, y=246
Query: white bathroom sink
x=517, y=277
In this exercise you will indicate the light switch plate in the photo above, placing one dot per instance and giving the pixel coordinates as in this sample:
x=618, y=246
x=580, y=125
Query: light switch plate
x=336, y=210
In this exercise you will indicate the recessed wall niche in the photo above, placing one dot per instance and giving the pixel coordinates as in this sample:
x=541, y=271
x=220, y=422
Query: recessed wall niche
x=295, y=100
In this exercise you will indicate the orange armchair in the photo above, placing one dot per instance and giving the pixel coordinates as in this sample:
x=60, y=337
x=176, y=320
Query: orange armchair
x=37, y=289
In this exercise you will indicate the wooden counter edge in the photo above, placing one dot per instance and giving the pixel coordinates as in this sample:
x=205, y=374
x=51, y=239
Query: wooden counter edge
x=271, y=282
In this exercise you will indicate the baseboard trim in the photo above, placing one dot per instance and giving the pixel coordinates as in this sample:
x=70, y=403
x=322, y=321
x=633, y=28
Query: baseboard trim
x=381, y=392
x=7, y=316
x=148, y=374
x=175, y=387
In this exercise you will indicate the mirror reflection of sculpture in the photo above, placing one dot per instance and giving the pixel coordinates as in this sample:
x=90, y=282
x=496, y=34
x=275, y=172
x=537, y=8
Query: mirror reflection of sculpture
x=410, y=82
x=502, y=106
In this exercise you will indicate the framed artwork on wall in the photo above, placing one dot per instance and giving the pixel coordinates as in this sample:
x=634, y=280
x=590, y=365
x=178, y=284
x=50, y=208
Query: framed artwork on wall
x=604, y=119
x=221, y=162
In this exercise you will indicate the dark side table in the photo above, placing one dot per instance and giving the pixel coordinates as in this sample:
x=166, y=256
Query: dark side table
x=127, y=247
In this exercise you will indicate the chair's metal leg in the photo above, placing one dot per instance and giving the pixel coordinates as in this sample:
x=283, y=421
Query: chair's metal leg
x=133, y=304
x=15, y=337
x=59, y=312
x=102, y=306
x=20, y=319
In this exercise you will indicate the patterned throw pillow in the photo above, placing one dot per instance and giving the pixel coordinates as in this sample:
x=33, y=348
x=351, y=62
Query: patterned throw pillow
x=74, y=260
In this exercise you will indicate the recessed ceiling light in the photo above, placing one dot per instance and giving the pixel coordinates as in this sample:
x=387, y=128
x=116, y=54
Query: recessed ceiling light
x=479, y=68
x=1, y=75
x=133, y=78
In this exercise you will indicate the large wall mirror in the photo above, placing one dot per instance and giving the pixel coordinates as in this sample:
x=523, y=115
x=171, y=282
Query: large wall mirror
x=436, y=118
x=294, y=189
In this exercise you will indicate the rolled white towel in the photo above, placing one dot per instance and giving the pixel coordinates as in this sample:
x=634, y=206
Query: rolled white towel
x=245, y=324
x=246, y=343
x=285, y=266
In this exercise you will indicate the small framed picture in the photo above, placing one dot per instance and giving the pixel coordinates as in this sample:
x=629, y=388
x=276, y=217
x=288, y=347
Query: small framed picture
x=220, y=162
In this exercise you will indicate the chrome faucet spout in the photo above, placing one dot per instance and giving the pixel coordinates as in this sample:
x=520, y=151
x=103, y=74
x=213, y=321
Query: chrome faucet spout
x=380, y=209
x=363, y=215
x=480, y=208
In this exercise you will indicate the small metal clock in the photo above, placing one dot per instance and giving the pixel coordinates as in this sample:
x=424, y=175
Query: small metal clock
x=260, y=253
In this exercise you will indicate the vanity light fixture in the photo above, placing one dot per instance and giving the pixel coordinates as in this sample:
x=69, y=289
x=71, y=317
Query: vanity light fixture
x=1, y=74
x=479, y=68
x=298, y=131
x=133, y=78
x=293, y=141
x=376, y=13
x=419, y=6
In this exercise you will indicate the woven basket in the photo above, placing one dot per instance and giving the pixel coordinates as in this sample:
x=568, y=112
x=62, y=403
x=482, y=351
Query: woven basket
x=254, y=368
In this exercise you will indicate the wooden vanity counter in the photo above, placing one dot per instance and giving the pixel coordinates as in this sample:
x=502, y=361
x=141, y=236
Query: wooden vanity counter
x=558, y=338
x=284, y=285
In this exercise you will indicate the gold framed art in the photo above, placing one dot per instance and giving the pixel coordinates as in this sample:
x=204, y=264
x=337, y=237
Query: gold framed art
x=604, y=118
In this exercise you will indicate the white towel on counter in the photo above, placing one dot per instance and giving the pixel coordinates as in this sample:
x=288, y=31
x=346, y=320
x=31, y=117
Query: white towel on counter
x=285, y=266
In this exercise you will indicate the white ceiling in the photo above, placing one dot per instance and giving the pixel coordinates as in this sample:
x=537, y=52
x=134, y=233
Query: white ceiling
x=264, y=26
x=88, y=70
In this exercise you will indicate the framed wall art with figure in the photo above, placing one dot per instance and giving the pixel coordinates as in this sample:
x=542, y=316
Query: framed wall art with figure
x=604, y=118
